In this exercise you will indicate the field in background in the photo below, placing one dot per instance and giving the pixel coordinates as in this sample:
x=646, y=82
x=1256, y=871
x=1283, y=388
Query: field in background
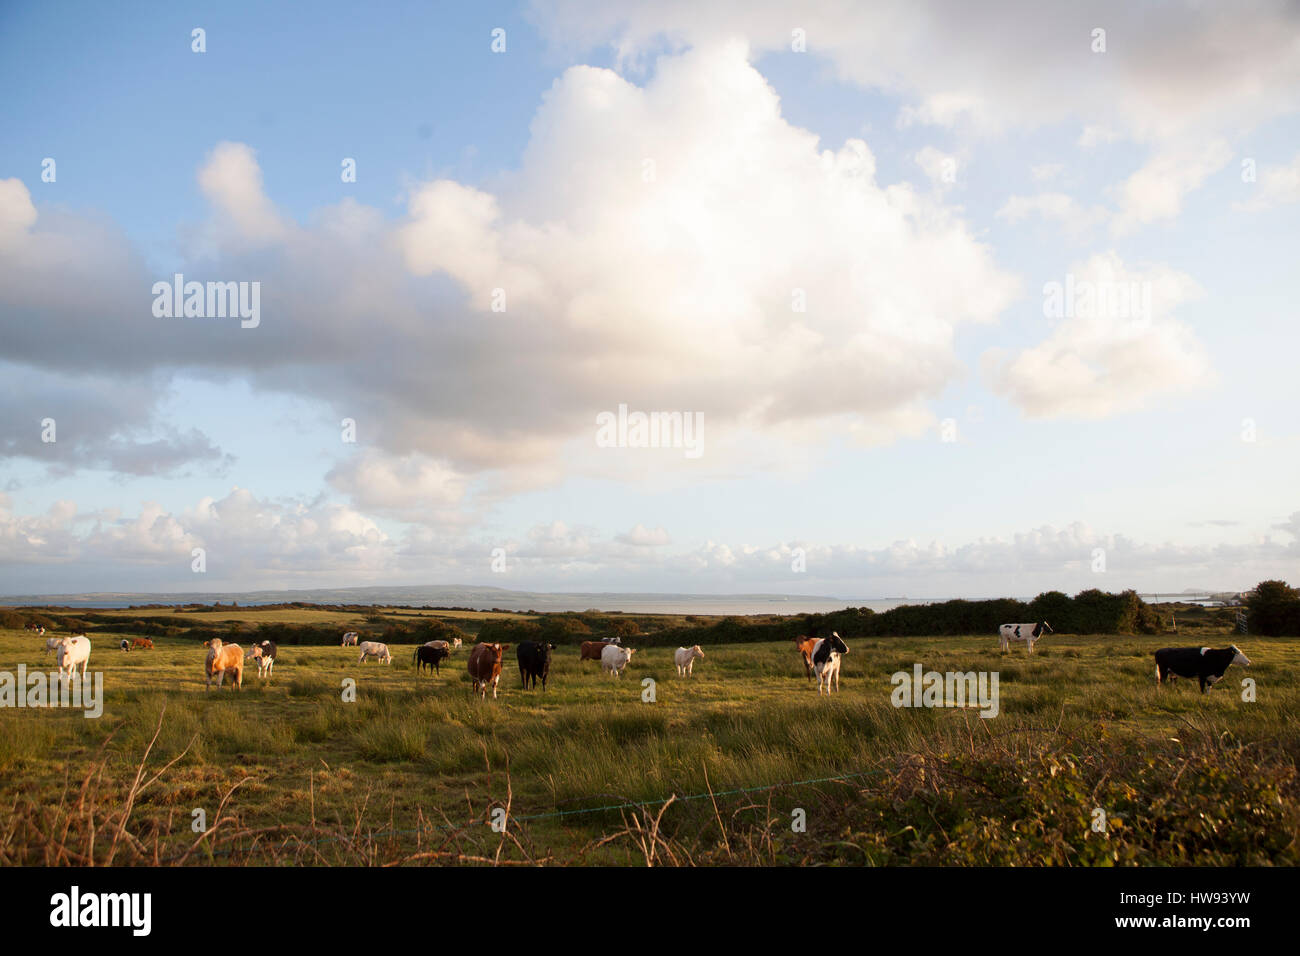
x=414, y=768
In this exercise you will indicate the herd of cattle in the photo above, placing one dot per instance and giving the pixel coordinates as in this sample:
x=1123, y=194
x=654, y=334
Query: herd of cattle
x=821, y=657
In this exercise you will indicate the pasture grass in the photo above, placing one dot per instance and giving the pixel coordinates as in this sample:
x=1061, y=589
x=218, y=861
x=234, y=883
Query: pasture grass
x=412, y=769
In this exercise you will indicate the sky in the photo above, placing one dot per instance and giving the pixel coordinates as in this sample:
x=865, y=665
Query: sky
x=958, y=300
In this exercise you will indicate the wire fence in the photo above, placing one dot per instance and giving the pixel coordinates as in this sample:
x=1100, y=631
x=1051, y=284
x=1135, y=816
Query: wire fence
x=608, y=808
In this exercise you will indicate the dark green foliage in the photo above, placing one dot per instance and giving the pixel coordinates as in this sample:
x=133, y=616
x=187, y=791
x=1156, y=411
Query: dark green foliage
x=1274, y=609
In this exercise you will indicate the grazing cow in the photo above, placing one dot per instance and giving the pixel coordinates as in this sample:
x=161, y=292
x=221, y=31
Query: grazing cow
x=264, y=653
x=143, y=642
x=375, y=649
x=615, y=658
x=484, y=666
x=223, y=658
x=1029, y=633
x=447, y=646
x=592, y=650
x=125, y=645
x=826, y=661
x=534, y=661
x=685, y=659
x=72, y=651
x=40, y=631
x=350, y=639
x=430, y=656
x=1206, y=664
x=805, y=645
x=52, y=644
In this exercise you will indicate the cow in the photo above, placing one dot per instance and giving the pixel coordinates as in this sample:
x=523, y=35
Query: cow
x=125, y=645
x=447, y=646
x=52, y=644
x=264, y=653
x=223, y=657
x=1029, y=633
x=375, y=649
x=615, y=658
x=40, y=631
x=534, y=662
x=484, y=666
x=591, y=650
x=143, y=642
x=805, y=645
x=685, y=659
x=350, y=639
x=826, y=656
x=428, y=655
x=72, y=651
x=1206, y=664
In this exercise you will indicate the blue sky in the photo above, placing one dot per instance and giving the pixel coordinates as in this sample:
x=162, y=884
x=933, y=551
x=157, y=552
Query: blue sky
x=1003, y=154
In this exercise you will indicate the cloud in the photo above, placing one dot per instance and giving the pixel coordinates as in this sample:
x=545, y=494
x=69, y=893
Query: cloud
x=1168, y=68
x=1156, y=191
x=642, y=537
x=677, y=245
x=1110, y=353
x=1278, y=185
x=1055, y=207
x=232, y=181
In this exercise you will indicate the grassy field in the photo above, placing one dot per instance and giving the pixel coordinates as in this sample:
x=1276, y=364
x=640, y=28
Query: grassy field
x=412, y=771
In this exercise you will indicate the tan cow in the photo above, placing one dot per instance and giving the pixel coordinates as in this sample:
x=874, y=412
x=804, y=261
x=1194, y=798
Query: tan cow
x=484, y=667
x=805, y=647
x=221, y=658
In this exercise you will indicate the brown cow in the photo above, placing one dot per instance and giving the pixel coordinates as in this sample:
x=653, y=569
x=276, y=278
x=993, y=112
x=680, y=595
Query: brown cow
x=143, y=642
x=484, y=666
x=591, y=650
x=805, y=647
x=224, y=657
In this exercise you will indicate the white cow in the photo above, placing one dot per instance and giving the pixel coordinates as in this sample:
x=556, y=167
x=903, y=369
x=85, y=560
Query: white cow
x=685, y=659
x=1029, y=633
x=376, y=650
x=614, y=658
x=52, y=644
x=350, y=639
x=826, y=656
x=73, y=651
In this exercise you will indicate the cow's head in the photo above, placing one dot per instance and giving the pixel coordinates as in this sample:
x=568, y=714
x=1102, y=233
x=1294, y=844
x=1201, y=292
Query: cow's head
x=838, y=644
x=698, y=651
x=1239, y=657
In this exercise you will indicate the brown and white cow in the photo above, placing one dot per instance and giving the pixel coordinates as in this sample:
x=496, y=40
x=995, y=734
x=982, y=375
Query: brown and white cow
x=143, y=642
x=484, y=666
x=223, y=658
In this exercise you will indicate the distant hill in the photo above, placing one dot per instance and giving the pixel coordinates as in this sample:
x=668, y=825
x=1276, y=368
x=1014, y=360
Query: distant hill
x=466, y=596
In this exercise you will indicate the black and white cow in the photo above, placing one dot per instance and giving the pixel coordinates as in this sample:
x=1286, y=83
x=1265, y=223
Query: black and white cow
x=264, y=653
x=826, y=661
x=1206, y=664
x=125, y=645
x=1029, y=633
x=430, y=657
x=534, y=662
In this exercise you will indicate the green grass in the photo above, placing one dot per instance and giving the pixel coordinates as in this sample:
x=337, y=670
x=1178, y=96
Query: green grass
x=1186, y=778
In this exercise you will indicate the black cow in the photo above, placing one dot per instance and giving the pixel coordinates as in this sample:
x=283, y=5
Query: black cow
x=534, y=661
x=1206, y=664
x=125, y=645
x=426, y=656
